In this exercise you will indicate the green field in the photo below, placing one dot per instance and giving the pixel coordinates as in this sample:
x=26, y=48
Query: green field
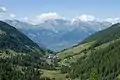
x=54, y=74
x=74, y=50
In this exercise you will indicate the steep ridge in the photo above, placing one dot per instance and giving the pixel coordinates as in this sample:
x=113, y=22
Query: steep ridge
x=20, y=57
x=98, y=62
x=106, y=35
x=11, y=38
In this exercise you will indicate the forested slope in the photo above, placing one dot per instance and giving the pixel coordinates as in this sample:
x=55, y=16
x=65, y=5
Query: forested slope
x=101, y=61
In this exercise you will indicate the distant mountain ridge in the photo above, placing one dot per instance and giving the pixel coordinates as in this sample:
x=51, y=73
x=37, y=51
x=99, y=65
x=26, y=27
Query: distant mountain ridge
x=59, y=34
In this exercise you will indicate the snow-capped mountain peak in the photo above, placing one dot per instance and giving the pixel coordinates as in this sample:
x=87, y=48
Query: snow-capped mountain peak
x=52, y=33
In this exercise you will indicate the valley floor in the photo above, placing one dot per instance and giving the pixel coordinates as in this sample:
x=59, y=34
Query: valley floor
x=54, y=74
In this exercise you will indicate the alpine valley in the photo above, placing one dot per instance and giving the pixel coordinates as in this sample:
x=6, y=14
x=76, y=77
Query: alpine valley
x=88, y=51
x=59, y=39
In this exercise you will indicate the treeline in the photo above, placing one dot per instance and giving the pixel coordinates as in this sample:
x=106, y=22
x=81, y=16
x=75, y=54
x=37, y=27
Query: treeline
x=16, y=66
x=101, y=64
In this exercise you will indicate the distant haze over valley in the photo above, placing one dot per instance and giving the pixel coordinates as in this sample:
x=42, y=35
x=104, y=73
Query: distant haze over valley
x=58, y=34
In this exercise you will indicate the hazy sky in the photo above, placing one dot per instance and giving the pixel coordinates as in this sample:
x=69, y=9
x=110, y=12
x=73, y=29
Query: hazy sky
x=66, y=8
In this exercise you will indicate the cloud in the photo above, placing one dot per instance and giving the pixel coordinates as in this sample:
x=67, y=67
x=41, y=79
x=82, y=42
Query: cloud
x=12, y=15
x=53, y=15
x=112, y=20
x=2, y=9
x=85, y=17
x=5, y=14
x=48, y=16
x=28, y=20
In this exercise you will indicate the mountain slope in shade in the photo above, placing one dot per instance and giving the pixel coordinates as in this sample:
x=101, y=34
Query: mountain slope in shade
x=11, y=38
x=58, y=34
x=20, y=57
x=97, y=57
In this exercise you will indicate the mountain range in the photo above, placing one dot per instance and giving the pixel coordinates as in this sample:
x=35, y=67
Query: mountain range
x=58, y=34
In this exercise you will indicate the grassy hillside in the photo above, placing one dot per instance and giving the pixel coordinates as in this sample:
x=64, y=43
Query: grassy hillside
x=75, y=50
x=99, y=61
x=102, y=63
